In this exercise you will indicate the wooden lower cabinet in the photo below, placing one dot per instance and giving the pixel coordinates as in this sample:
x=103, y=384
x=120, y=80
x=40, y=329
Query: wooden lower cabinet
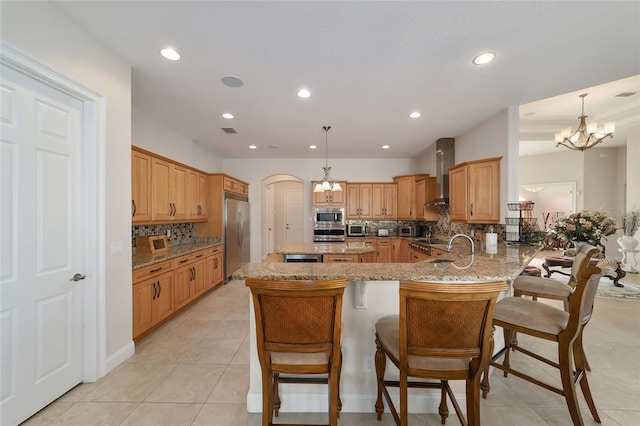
x=367, y=257
x=340, y=258
x=214, y=267
x=162, y=289
x=189, y=279
x=152, y=302
x=418, y=256
x=384, y=250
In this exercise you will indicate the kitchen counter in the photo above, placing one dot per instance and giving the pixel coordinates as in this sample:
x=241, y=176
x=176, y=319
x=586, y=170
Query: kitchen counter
x=373, y=293
x=349, y=247
x=505, y=265
x=140, y=260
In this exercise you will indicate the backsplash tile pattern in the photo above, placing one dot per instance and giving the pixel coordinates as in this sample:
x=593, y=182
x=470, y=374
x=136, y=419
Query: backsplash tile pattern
x=177, y=231
x=445, y=227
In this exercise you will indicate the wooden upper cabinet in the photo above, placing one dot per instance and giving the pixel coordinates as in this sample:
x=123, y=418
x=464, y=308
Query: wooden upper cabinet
x=140, y=187
x=384, y=201
x=235, y=186
x=475, y=191
x=197, y=185
x=358, y=200
x=329, y=198
x=164, y=191
x=426, y=191
x=169, y=191
x=458, y=193
x=407, y=195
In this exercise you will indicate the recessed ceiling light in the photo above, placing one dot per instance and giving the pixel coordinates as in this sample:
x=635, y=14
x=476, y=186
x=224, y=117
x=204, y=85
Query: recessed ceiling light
x=304, y=93
x=227, y=115
x=312, y=147
x=252, y=147
x=415, y=114
x=385, y=147
x=484, y=58
x=170, y=54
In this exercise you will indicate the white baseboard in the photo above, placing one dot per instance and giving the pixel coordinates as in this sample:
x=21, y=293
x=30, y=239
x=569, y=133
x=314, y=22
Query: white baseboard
x=120, y=356
x=422, y=401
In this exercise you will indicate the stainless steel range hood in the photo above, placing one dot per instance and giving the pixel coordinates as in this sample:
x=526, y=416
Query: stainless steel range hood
x=445, y=158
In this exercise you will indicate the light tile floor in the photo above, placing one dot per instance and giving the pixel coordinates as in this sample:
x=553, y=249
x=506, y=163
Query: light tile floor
x=194, y=371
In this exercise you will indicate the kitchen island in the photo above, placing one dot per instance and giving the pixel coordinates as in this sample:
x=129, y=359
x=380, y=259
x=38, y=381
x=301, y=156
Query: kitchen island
x=372, y=294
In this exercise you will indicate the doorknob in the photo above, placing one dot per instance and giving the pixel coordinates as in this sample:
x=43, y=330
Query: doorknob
x=77, y=277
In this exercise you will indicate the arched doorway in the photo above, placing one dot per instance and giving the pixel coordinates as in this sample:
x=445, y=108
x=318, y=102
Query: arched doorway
x=282, y=212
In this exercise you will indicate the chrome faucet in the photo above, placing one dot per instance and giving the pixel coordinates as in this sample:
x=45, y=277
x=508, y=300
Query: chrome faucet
x=460, y=235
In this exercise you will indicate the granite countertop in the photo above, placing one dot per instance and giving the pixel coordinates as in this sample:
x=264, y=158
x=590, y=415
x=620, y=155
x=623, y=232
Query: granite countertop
x=504, y=265
x=327, y=248
x=140, y=260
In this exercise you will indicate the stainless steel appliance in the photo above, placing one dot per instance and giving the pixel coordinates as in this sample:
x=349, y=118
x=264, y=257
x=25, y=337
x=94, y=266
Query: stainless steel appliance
x=236, y=234
x=329, y=224
x=445, y=158
x=354, y=230
x=406, y=231
x=305, y=258
x=421, y=246
x=383, y=232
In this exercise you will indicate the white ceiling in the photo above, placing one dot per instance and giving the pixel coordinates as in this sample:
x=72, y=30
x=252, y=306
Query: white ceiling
x=367, y=65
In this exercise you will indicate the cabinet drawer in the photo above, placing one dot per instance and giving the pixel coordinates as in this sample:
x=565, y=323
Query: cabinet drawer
x=437, y=252
x=151, y=271
x=188, y=258
x=335, y=258
x=382, y=242
x=213, y=250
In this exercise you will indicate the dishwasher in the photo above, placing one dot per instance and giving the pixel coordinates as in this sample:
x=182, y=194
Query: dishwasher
x=307, y=258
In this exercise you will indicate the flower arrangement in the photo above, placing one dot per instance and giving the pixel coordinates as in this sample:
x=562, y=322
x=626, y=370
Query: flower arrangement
x=586, y=225
x=631, y=222
x=531, y=233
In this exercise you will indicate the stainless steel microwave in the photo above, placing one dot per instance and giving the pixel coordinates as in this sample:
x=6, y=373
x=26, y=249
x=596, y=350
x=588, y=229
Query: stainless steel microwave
x=354, y=230
x=329, y=217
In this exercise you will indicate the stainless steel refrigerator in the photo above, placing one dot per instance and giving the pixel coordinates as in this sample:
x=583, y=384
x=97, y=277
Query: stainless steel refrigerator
x=236, y=234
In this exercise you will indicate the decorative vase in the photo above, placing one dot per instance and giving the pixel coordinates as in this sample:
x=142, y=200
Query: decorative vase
x=627, y=242
x=578, y=244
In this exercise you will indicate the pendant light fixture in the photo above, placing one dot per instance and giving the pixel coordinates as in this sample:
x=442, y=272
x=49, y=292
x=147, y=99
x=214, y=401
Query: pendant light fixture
x=327, y=183
x=586, y=136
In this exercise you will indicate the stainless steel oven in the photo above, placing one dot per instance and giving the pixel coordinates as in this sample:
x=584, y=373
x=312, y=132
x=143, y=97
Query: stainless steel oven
x=328, y=235
x=329, y=224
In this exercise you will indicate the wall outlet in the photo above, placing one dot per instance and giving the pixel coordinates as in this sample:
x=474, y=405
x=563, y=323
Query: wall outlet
x=168, y=233
x=367, y=363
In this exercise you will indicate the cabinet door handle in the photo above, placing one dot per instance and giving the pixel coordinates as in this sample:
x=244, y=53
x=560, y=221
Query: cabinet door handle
x=184, y=260
x=135, y=209
x=200, y=255
x=155, y=290
x=471, y=209
x=159, y=289
x=153, y=271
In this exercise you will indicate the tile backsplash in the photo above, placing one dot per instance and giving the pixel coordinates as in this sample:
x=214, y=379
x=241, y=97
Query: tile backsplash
x=177, y=231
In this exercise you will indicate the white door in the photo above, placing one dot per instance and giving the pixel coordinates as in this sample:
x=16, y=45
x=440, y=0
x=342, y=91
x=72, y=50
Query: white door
x=41, y=247
x=294, y=223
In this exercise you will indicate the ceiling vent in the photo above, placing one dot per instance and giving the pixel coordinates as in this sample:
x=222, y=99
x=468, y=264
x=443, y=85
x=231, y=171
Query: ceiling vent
x=229, y=130
x=625, y=94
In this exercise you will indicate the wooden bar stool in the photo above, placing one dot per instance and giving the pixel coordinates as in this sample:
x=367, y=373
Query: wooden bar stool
x=298, y=331
x=443, y=334
x=539, y=320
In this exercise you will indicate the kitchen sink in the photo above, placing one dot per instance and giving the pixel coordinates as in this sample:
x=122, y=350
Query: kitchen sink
x=441, y=261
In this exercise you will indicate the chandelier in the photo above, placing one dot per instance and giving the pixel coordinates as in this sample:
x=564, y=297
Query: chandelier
x=586, y=136
x=327, y=183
